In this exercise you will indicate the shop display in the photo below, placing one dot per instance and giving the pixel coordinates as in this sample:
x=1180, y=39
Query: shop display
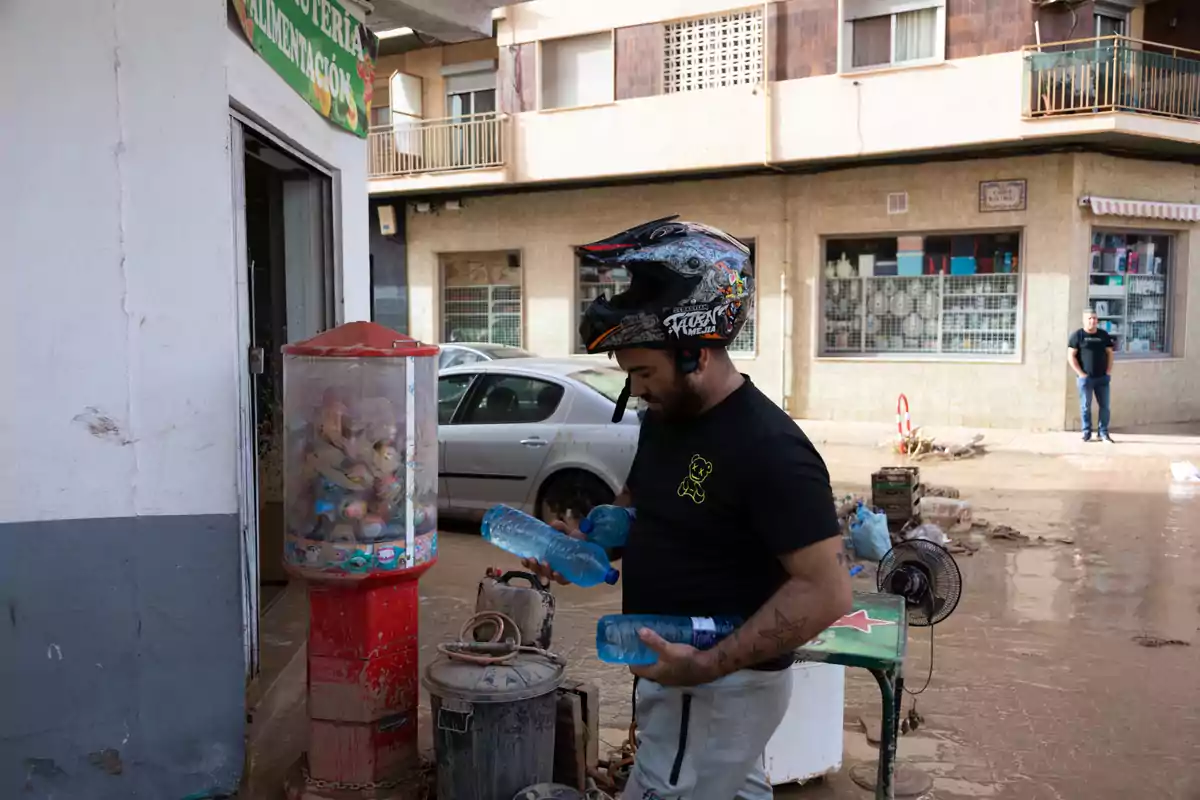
x=1128, y=285
x=918, y=301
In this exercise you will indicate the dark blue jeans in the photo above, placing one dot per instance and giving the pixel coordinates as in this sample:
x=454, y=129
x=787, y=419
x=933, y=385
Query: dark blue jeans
x=1099, y=387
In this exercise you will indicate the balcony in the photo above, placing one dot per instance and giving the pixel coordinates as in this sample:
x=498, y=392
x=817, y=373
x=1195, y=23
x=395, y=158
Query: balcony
x=405, y=149
x=1112, y=74
x=1111, y=91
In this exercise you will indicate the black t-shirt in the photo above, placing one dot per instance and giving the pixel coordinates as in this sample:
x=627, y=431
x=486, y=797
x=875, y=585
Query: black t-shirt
x=719, y=498
x=1093, y=351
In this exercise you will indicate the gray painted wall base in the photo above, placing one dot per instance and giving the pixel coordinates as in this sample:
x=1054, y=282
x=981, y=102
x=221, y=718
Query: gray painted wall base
x=121, y=666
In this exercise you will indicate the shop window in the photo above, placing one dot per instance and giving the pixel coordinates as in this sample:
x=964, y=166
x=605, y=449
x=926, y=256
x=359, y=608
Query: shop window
x=481, y=297
x=723, y=50
x=1129, y=288
x=595, y=281
x=578, y=71
x=935, y=296
x=878, y=33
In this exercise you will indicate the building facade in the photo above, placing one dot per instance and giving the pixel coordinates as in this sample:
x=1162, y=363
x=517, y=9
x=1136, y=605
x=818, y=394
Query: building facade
x=934, y=189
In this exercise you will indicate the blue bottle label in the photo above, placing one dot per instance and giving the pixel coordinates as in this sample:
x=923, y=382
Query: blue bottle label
x=704, y=632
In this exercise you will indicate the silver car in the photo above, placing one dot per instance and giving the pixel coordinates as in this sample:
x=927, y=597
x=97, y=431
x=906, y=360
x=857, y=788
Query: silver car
x=536, y=434
x=458, y=354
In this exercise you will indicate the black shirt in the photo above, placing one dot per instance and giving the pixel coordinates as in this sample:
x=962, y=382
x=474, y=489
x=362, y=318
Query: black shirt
x=719, y=498
x=1093, y=351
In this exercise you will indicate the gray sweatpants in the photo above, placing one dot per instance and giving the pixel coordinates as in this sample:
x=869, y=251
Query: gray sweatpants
x=707, y=742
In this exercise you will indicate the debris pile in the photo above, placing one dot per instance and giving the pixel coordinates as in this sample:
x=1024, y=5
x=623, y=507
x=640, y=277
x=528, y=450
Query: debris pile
x=918, y=447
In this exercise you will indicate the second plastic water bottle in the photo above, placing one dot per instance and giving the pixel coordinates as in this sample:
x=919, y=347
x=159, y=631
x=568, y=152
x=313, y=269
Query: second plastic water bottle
x=617, y=640
x=582, y=563
x=608, y=526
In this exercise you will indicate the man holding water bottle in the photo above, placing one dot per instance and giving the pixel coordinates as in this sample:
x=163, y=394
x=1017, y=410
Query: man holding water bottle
x=735, y=514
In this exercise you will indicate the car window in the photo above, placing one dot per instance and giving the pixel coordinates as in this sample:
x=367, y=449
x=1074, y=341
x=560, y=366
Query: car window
x=605, y=380
x=462, y=358
x=497, y=351
x=451, y=389
x=511, y=398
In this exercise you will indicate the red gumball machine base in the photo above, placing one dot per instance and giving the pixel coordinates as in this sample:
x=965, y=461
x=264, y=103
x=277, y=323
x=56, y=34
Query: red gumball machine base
x=363, y=693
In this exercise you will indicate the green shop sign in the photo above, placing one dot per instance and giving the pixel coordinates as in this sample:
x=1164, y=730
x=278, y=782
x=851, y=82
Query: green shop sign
x=321, y=50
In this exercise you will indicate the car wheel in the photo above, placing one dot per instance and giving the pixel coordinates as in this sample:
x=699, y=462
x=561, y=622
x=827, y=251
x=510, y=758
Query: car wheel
x=569, y=496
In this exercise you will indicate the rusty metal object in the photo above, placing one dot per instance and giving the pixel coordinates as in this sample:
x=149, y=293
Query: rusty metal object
x=530, y=607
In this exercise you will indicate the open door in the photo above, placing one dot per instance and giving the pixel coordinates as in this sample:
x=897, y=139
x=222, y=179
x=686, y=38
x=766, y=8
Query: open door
x=283, y=225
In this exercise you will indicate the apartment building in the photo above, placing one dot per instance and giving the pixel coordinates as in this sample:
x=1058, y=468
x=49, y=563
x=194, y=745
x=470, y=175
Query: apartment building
x=935, y=189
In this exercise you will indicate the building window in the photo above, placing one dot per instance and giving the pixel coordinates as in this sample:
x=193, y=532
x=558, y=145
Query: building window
x=878, y=33
x=1111, y=20
x=470, y=90
x=956, y=296
x=595, y=281
x=381, y=116
x=405, y=95
x=1129, y=288
x=481, y=297
x=724, y=50
x=578, y=71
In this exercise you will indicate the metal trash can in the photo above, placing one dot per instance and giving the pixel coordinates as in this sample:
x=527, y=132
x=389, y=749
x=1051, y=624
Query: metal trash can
x=493, y=725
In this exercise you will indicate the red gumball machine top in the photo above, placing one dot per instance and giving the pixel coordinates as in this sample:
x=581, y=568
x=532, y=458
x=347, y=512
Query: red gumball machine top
x=360, y=454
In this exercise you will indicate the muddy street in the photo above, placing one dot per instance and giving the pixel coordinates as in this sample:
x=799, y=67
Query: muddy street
x=1039, y=688
x=1043, y=686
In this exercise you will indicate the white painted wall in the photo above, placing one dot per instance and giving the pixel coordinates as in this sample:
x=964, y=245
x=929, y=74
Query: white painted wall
x=117, y=287
x=550, y=19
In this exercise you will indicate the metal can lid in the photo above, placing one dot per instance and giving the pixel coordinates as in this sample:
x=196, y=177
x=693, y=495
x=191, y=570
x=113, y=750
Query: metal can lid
x=527, y=676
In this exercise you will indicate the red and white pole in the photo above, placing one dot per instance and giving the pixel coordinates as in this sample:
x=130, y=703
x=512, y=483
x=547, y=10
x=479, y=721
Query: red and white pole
x=903, y=423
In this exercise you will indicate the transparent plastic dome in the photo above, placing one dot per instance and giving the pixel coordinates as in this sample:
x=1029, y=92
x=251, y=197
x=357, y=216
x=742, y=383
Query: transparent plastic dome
x=360, y=453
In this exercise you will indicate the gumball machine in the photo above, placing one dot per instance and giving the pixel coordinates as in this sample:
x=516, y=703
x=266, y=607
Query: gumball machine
x=360, y=488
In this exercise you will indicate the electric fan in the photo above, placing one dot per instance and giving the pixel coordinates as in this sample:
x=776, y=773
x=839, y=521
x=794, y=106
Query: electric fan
x=926, y=576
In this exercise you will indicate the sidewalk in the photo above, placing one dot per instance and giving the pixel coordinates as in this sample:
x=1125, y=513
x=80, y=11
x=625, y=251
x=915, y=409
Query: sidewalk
x=1174, y=442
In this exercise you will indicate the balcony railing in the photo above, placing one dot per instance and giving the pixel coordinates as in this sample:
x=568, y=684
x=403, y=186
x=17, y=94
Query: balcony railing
x=474, y=141
x=1112, y=73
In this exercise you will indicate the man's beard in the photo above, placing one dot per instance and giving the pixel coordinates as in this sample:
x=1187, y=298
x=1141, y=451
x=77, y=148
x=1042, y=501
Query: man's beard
x=681, y=403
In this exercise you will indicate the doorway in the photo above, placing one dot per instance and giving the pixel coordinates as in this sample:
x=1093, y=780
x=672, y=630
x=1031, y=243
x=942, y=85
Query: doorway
x=284, y=222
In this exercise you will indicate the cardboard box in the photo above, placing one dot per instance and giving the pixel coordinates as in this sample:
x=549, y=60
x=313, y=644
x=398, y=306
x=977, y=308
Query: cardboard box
x=909, y=263
x=962, y=265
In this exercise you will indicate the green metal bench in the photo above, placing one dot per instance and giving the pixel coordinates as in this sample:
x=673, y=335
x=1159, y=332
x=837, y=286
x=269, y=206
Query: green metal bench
x=874, y=637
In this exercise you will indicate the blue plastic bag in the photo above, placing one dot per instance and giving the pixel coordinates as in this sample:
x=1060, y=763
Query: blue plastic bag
x=869, y=532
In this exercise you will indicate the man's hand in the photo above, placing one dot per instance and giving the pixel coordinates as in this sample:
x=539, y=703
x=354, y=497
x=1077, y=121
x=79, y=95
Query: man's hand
x=541, y=568
x=678, y=664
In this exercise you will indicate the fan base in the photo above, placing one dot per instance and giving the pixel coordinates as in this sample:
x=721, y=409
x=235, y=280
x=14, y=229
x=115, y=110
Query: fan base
x=906, y=781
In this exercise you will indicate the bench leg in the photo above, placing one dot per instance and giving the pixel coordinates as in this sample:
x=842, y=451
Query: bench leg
x=891, y=689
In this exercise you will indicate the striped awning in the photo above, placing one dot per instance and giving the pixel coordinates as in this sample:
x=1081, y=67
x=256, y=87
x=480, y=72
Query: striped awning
x=1145, y=209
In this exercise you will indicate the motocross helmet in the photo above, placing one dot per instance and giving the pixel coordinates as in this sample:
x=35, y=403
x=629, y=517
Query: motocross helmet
x=691, y=286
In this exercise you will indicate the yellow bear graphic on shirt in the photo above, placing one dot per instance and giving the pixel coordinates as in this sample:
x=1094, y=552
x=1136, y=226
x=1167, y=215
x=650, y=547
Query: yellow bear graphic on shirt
x=699, y=468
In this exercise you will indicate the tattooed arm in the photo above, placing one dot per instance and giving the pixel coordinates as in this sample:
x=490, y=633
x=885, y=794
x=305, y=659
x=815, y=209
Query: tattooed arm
x=816, y=595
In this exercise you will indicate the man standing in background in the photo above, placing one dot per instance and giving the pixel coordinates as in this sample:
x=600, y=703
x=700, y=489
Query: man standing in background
x=1090, y=354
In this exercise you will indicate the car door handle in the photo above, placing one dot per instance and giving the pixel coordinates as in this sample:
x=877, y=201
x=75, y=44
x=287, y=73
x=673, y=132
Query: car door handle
x=535, y=442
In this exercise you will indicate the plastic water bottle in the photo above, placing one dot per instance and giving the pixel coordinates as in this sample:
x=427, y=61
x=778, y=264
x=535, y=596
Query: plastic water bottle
x=582, y=563
x=617, y=639
x=608, y=526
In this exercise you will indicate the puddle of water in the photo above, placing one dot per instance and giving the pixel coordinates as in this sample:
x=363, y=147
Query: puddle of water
x=960, y=788
x=1037, y=591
